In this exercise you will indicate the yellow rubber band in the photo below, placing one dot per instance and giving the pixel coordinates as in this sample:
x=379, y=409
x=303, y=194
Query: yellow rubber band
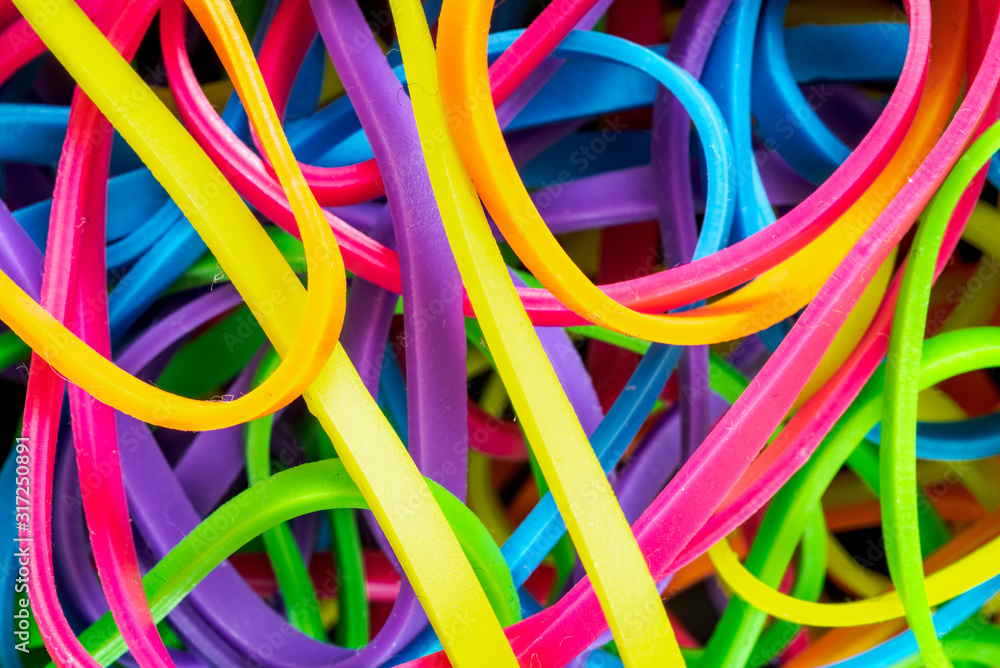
x=220, y=217
x=849, y=574
x=369, y=448
x=774, y=296
x=947, y=583
x=595, y=522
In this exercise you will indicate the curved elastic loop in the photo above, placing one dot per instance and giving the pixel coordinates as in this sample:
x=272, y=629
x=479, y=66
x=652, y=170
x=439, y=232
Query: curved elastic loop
x=727, y=78
x=210, y=203
x=737, y=439
x=971, y=438
x=298, y=491
x=538, y=532
x=74, y=289
x=353, y=183
x=943, y=357
x=897, y=454
x=290, y=570
x=659, y=292
x=399, y=498
x=499, y=186
x=795, y=444
x=786, y=118
x=19, y=44
x=514, y=211
x=813, y=564
x=946, y=619
x=942, y=586
x=628, y=595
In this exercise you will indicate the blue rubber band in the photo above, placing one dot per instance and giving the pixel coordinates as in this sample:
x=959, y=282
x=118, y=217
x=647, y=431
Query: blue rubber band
x=728, y=78
x=786, y=117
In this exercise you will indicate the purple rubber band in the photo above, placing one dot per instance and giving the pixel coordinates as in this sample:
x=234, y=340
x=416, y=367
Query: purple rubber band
x=432, y=315
x=689, y=48
x=19, y=256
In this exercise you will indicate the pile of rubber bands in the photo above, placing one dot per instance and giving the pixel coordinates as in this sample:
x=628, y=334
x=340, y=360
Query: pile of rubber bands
x=357, y=333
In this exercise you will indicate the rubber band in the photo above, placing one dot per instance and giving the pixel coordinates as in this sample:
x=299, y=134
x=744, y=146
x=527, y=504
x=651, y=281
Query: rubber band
x=92, y=422
x=627, y=598
x=293, y=579
x=436, y=441
x=976, y=90
x=202, y=470
x=813, y=562
x=353, y=623
x=264, y=506
x=781, y=107
x=747, y=442
x=946, y=355
x=335, y=373
x=783, y=452
x=359, y=182
x=900, y=416
x=595, y=305
x=903, y=102
x=80, y=363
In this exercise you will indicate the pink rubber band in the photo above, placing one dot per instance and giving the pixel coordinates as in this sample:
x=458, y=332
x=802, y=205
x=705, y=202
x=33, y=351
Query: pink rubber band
x=656, y=293
x=74, y=289
x=559, y=633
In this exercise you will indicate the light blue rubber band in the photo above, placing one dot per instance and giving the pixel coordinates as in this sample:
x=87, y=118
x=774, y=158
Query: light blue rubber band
x=728, y=78
x=946, y=619
x=786, y=117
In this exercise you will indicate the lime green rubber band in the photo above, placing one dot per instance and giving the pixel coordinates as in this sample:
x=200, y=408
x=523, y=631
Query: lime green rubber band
x=898, y=470
x=304, y=489
x=290, y=569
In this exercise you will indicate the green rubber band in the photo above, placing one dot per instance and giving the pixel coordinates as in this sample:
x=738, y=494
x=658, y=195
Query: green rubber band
x=788, y=513
x=934, y=531
x=308, y=488
x=898, y=470
x=290, y=570
x=12, y=350
x=353, y=624
x=808, y=586
x=975, y=642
